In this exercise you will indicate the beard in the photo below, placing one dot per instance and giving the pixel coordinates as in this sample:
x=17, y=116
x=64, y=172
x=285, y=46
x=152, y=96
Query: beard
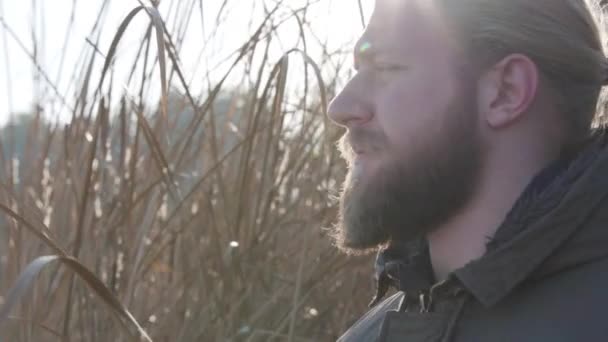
x=411, y=194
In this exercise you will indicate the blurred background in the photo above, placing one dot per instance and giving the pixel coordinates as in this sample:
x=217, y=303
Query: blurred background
x=167, y=171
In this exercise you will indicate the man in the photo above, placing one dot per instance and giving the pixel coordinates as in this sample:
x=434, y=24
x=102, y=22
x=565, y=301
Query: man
x=475, y=172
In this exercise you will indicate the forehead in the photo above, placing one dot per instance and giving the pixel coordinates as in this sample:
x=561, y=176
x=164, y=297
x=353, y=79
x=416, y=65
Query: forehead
x=405, y=25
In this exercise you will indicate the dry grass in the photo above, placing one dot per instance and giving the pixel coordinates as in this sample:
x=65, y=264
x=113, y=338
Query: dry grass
x=199, y=219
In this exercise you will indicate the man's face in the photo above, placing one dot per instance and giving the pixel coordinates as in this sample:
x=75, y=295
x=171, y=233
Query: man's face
x=412, y=143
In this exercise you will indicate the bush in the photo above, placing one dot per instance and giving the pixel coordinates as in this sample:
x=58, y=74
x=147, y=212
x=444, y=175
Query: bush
x=200, y=219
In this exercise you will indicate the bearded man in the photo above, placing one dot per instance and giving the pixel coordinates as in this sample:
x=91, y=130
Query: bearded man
x=478, y=169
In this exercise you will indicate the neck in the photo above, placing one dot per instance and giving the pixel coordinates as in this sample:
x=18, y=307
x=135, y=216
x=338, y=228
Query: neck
x=464, y=237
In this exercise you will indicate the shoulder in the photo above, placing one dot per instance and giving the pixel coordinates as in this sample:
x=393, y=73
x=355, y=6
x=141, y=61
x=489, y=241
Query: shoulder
x=562, y=294
x=367, y=328
x=569, y=305
x=591, y=275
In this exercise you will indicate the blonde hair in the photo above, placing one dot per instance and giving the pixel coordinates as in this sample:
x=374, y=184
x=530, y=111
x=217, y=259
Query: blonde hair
x=565, y=39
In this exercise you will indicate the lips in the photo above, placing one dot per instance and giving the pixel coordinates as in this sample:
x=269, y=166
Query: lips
x=364, y=142
x=358, y=151
x=356, y=148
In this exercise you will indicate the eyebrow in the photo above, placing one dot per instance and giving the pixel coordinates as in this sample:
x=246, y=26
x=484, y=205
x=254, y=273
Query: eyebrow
x=365, y=51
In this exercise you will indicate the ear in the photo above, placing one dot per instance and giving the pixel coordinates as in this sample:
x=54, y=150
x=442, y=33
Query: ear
x=507, y=90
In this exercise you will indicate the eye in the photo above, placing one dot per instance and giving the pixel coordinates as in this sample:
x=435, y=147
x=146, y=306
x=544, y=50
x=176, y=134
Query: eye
x=388, y=67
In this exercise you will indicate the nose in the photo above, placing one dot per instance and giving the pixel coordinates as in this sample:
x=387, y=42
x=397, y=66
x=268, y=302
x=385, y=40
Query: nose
x=351, y=106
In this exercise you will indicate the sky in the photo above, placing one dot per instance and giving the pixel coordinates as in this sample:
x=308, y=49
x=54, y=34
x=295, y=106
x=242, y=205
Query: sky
x=47, y=23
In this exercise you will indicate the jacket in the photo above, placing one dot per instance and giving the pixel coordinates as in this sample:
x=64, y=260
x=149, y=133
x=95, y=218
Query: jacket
x=543, y=277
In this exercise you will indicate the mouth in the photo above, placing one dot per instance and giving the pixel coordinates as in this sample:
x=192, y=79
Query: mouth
x=361, y=144
x=359, y=158
x=358, y=152
x=356, y=149
x=360, y=148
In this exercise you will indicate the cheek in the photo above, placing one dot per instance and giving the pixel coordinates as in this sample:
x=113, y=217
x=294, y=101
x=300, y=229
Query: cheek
x=412, y=111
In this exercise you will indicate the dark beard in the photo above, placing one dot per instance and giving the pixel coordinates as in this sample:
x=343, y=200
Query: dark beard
x=408, y=198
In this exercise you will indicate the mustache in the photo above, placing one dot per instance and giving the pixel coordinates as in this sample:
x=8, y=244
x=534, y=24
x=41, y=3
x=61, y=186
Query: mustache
x=361, y=140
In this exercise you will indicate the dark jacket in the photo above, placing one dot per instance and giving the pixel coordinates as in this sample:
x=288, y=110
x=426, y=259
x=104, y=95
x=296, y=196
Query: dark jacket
x=544, y=276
